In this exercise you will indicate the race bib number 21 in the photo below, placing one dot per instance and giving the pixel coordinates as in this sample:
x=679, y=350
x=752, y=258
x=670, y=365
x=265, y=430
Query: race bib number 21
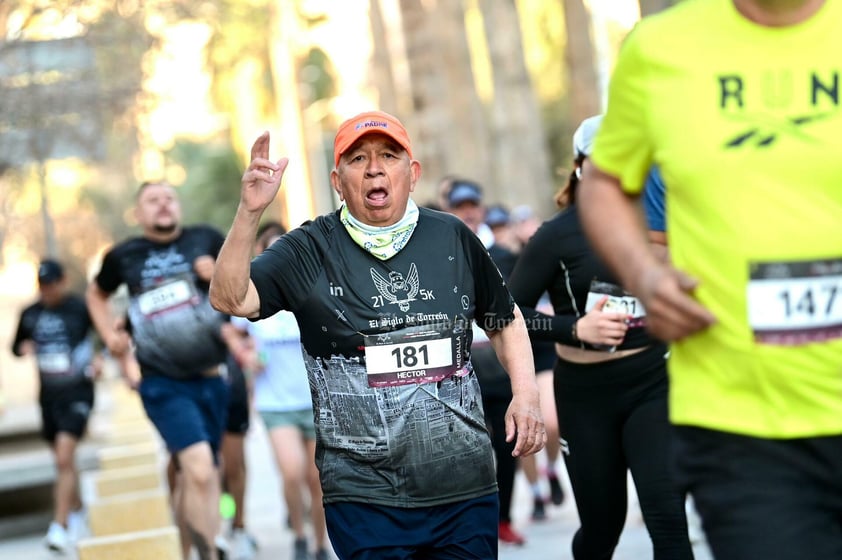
x=791, y=303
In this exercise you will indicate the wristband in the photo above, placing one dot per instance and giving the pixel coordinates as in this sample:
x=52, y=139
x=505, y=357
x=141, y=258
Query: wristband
x=574, y=332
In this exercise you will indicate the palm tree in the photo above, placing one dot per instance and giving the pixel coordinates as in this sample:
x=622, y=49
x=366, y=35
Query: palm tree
x=383, y=74
x=520, y=161
x=584, y=96
x=648, y=7
x=447, y=115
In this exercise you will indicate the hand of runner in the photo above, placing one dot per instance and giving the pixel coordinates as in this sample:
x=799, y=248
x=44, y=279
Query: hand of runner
x=671, y=311
x=203, y=267
x=27, y=348
x=262, y=178
x=602, y=327
x=119, y=341
x=524, y=421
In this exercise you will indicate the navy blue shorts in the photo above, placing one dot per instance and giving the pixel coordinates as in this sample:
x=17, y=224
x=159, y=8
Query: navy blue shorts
x=186, y=411
x=458, y=531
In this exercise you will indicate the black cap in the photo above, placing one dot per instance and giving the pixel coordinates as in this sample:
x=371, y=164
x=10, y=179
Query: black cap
x=464, y=191
x=50, y=271
x=496, y=216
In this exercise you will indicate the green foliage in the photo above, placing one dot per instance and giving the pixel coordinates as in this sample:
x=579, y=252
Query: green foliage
x=316, y=71
x=211, y=191
x=240, y=34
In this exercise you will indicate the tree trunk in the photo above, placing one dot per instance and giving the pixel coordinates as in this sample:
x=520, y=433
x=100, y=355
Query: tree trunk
x=521, y=166
x=583, y=92
x=467, y=131
x=648, y=7
x=297, y=188
x=428, y=95
x=449, y=133
x=382, y=76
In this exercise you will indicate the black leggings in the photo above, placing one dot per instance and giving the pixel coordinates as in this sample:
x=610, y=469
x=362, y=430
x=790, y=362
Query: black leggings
x=612, y=417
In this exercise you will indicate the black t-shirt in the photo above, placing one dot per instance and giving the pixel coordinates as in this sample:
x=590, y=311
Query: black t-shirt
x=386, y=343
x=175, y=330
x=559, y=260
x=504, y=259
x=63, y=344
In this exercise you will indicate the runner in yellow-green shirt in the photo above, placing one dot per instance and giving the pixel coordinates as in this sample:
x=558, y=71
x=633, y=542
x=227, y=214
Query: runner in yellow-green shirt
x=738, y=103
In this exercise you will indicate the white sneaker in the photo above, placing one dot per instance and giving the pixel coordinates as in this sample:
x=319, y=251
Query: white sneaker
x=694, y=523
x=57, y=539
x=223, y=548
x=77, y=525
x=242, y=545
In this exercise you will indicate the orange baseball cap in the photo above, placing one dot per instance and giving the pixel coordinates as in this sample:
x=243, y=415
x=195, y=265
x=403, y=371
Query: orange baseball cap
x=368, y=123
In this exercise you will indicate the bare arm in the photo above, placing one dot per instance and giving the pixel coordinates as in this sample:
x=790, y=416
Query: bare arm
x=523, y=418
x=613, y=225
x=617, y=234
x=658, y=241
x=116, y=340
x=231, y=289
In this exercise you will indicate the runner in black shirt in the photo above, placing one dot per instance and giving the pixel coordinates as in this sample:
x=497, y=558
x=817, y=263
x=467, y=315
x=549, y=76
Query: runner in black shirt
x=464, y=200
x=385, y=294
x=178, y=344
x=610, y=383
x=57, y=331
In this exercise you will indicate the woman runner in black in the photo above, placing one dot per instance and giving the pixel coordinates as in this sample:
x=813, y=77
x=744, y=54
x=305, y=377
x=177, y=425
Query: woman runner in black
x=610, y=383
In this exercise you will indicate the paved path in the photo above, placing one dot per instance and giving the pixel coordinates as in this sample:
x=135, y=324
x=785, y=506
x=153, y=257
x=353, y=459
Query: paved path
x=548, y=539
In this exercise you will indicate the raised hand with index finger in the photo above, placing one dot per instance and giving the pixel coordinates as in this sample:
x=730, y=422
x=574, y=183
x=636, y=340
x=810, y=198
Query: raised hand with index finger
x=262, y=178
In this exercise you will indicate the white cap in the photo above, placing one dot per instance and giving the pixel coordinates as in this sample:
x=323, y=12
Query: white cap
x=584, y=136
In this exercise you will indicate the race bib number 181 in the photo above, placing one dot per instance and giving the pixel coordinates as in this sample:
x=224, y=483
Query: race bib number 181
x=791, y=303
x=423, y=354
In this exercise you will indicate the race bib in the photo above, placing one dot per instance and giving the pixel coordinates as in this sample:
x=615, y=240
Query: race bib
x=619, y=301
x=423, y=354
x=792, y=303
x=54, y=363
x=168, y=296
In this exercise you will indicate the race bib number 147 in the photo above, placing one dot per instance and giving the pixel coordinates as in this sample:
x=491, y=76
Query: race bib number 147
x=791, y=303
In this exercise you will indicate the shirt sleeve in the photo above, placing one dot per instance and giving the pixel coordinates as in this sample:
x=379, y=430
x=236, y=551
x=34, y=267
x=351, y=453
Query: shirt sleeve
x=653, y=201
x=623, y=148
x=286, y=271
x=24, y=332
x=533, y=275
x=109, y=277
x=494, y=304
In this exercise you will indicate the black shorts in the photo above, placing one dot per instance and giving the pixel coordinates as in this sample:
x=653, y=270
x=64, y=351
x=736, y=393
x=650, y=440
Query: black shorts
x=238, y=400
x=68, y=412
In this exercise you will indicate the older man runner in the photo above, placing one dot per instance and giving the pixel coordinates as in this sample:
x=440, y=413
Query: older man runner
x=385, y=294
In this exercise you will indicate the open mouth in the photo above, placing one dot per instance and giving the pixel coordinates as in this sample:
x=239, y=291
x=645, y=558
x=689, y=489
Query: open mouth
x=377, y=197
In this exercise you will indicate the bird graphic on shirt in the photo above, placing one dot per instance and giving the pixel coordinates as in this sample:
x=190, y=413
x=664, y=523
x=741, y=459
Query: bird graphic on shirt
x=397, y=289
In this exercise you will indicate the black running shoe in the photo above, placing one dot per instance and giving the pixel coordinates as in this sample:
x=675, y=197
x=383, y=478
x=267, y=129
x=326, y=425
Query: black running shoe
x=538, y=511
x=556, y=492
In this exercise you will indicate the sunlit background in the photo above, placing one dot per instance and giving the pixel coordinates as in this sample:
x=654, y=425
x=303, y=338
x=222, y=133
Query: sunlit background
x=98, y=96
